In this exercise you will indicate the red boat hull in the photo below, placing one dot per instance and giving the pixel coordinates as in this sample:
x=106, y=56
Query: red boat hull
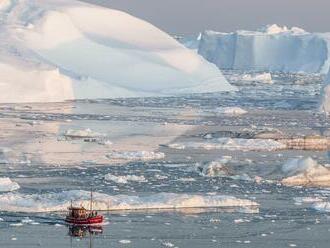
x=88, y=221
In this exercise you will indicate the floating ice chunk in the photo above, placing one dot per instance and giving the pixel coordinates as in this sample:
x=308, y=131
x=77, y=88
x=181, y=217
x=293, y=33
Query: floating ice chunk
x=308, y=200
x=322, y=207
x=7, y=185
x=60, y=201
x=230, y=111
x=125, y=179
x=168, y=244
x=232, y=144
x=105, y=142
x=213, y=169
x=305, y=172
x=217, y=169
x=80, y=134
x=262, y=78
x=135, y=155
x=125, y=241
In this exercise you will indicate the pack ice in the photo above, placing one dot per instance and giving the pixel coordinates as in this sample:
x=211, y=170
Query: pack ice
x=272, y=48
x=54, y=50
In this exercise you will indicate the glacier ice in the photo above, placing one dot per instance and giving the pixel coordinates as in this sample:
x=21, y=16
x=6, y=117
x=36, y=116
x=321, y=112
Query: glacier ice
x=272, y=48
x=55, y=50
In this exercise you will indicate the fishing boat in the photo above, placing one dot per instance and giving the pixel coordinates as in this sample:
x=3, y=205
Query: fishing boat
x=82, y=216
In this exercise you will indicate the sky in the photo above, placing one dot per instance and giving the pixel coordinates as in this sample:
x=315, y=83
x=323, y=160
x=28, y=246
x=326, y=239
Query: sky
x=193, y=16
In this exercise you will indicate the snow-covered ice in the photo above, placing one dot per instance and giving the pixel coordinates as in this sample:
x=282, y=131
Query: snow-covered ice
x=6, y=185
x=305, y=171
x=272, y=48
x=55, y=50
x=60, y=201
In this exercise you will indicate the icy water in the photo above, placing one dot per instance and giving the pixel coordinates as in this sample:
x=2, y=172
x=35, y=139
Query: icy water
x=132, y=137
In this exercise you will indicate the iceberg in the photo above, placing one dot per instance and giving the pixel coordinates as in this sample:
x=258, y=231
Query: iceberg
x=272, y=48
x=56, y=50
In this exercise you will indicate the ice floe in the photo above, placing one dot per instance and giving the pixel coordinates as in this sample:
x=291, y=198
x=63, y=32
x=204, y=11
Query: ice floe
x=322, y=207
x=232, y=144
x=230, y=110
x=262, y=78
x=218, y=169
x=213, y=169
x=80, y=134
x=6, y=185
x=47, y=202
x=124, y=179
x=305, y=172
x=135, y=155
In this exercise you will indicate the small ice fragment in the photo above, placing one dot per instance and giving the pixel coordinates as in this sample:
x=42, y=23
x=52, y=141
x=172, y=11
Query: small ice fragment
x=124, y=241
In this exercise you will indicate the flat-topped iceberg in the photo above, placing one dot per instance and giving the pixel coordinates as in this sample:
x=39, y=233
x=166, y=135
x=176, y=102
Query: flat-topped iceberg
x=60, y=201
x=55, y=50
x=272, y=48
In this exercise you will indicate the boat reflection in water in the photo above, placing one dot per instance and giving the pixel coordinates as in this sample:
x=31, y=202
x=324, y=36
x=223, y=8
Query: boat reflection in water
x=84, y=231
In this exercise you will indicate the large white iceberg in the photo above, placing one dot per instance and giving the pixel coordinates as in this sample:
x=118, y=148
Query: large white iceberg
x=54, y=50
x=272, y=48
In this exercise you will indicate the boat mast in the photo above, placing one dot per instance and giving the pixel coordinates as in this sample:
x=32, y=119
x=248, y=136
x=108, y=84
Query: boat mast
x=91, y=203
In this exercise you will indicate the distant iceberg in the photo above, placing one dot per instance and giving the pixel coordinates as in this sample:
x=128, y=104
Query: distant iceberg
x=272, y=48
x=55, y=50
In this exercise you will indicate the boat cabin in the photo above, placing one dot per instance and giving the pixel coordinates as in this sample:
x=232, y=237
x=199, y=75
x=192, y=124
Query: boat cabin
x=78, y=212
